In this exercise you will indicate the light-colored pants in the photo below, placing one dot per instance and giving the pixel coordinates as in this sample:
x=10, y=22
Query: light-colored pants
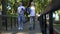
x=21, y=19
x=32, y=21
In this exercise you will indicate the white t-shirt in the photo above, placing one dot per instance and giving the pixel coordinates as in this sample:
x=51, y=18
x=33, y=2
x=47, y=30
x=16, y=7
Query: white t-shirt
x=32, y=13
x=19, y=8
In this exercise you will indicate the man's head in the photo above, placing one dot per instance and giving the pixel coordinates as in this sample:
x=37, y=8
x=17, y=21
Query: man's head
x=20, y=3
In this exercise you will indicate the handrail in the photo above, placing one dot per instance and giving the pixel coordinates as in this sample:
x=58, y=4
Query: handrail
x=8, y=16
x=53, y=6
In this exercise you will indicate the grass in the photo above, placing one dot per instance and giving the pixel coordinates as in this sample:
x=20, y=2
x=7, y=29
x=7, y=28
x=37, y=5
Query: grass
x=57, y=26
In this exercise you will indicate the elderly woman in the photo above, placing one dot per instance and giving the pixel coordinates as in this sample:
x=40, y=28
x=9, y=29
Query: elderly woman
x=32, y=16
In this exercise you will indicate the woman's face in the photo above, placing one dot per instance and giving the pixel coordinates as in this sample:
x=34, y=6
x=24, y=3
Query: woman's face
x=32, y=3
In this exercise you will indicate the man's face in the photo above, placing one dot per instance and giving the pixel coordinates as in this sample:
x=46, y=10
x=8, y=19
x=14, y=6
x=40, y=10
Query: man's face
x=20, y=3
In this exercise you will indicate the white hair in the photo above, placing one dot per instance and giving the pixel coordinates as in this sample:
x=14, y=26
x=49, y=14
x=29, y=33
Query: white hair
x=32, y=3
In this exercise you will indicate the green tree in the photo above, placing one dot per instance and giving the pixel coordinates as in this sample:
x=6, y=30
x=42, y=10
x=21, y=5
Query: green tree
x=41, y=5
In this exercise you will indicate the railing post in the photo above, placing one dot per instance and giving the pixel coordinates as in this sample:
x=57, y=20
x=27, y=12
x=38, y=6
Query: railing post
x=40, y=20
x=6, y=23
x=14, y=21
x=44, y=23
x=11, y=22
x=50, y=23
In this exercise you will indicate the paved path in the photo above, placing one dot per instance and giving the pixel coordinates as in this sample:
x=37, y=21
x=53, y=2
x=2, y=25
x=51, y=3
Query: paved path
x=26, y=30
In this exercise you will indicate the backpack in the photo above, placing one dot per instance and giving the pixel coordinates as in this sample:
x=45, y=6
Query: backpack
x=28, y=10
x=22, y=11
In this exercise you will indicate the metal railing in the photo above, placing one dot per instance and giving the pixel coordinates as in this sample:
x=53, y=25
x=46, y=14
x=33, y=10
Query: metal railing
x=11, y=21
x=43, y=23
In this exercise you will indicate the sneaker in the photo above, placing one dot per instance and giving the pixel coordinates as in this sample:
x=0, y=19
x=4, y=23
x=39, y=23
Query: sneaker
x=33, y=28
x=30, y=28
x=19, y=28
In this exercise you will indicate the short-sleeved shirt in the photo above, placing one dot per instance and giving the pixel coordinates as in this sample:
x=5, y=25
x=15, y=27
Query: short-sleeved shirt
x=21, y=10
x=32, y=13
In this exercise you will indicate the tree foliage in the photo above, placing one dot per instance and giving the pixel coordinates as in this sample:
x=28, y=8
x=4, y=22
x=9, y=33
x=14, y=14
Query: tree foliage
x=39, y=4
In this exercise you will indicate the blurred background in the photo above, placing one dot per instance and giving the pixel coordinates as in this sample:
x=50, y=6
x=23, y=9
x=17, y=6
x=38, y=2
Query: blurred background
x=8, y=8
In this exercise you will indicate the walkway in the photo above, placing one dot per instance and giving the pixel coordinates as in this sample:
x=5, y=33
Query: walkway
x=25, y=31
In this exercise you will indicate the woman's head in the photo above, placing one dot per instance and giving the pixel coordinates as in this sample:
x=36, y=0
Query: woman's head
x=32, y=3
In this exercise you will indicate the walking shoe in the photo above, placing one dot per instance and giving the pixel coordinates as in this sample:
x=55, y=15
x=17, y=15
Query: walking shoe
x=30, y=28
x=33, y=28
x=19, y=28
